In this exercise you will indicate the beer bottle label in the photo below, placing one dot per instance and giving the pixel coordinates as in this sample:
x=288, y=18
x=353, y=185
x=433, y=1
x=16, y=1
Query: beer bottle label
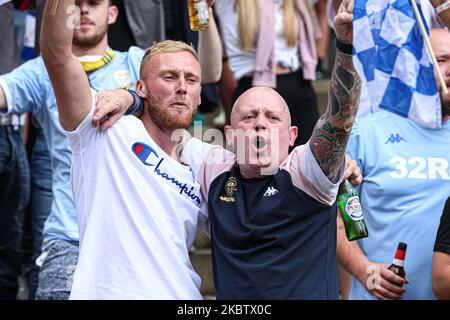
x=353, y=208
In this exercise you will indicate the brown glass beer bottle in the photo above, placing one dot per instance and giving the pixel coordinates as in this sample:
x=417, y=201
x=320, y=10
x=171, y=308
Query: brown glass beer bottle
x=398, y=263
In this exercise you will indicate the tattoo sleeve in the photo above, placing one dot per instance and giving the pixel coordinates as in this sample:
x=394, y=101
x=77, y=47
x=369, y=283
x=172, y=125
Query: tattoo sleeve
x=330, y=136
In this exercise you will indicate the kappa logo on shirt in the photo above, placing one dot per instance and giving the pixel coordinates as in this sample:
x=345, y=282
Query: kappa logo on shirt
x=271, y=191
x=395, y=138
x=145, y=153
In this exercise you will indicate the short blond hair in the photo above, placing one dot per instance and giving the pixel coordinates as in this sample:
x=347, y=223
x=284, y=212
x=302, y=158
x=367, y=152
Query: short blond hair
x=166, y=46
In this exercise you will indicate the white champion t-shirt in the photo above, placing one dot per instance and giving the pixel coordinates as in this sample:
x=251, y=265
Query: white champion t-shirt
x=137, y=212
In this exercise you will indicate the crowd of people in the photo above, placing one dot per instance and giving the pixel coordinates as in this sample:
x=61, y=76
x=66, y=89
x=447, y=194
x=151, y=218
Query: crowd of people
x=123, y=188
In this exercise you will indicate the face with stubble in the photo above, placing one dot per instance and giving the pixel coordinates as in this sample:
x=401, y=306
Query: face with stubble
x=95, y=17
x=171, y=84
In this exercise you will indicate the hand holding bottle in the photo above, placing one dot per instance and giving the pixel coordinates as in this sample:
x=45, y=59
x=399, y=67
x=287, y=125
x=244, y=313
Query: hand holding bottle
x=382, y=282
x=349, y=204
x=352, y=171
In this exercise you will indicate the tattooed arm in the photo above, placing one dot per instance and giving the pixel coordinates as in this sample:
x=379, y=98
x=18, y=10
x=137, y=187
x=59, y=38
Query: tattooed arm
x=444, y=15
x=330, y=136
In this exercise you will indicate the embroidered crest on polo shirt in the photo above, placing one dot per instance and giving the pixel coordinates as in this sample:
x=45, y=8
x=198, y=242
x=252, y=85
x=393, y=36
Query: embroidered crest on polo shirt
x=230, y=189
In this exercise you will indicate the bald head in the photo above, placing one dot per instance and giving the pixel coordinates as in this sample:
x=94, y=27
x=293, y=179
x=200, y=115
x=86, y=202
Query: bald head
x=260, y=131
x=259, y=96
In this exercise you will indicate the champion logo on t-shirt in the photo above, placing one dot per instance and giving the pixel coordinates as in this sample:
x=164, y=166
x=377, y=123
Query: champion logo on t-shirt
x=150, y=157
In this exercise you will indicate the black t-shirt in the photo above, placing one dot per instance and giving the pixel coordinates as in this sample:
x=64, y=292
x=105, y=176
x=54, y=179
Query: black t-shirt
x=442, y=243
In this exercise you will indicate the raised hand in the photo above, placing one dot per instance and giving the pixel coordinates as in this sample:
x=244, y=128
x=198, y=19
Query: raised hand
x=381, y=282
x=110, y=105
x=343, y=21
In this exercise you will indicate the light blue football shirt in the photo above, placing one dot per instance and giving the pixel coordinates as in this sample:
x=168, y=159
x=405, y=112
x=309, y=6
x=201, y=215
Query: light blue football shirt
x=406, y=182
x=28, y=89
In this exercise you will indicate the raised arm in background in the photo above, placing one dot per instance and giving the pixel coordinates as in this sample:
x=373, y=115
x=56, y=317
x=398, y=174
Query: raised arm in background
x=210, y=50
x=69, y=81
x=445, y=14
x=330, y=136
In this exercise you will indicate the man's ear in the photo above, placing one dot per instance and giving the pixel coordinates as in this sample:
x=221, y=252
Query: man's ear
x=141, y=89
x=113, y=13
x=293, y=133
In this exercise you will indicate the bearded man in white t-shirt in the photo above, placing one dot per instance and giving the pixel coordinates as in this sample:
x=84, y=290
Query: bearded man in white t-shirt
x=137, y=208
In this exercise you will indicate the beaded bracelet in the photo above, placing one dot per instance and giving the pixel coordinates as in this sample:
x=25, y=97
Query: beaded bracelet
x=136, y=105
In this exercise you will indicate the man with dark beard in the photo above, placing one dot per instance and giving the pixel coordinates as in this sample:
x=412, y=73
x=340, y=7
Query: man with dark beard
x=28, y=88
x=137, y=207
x=406, y=181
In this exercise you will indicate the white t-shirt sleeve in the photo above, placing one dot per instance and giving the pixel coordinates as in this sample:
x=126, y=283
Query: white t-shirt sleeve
x=85, y=134
x=307, y=175
x=194, y=153
x=207, y=162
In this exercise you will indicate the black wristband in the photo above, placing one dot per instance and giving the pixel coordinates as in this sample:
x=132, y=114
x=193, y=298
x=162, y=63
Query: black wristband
x=343, y=47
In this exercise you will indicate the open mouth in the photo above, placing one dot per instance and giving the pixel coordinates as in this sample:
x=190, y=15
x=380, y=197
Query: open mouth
x=259, y=143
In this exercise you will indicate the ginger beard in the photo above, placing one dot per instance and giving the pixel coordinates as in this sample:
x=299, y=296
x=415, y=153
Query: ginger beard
x=171, y=117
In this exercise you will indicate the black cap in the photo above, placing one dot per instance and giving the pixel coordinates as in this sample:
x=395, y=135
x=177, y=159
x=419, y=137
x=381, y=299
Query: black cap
x=402, y=245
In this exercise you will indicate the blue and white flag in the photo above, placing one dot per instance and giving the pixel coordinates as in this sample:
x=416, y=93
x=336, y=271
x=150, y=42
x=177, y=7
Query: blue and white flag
x=391, y=57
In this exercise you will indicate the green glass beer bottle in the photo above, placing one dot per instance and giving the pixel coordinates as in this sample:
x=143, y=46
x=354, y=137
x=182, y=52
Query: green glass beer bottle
x=350, y=207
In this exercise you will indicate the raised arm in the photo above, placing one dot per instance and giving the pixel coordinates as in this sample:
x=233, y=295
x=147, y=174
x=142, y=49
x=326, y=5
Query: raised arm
x=210, y=50
x=330, y=136
x=69, y=81
x=444, y=7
